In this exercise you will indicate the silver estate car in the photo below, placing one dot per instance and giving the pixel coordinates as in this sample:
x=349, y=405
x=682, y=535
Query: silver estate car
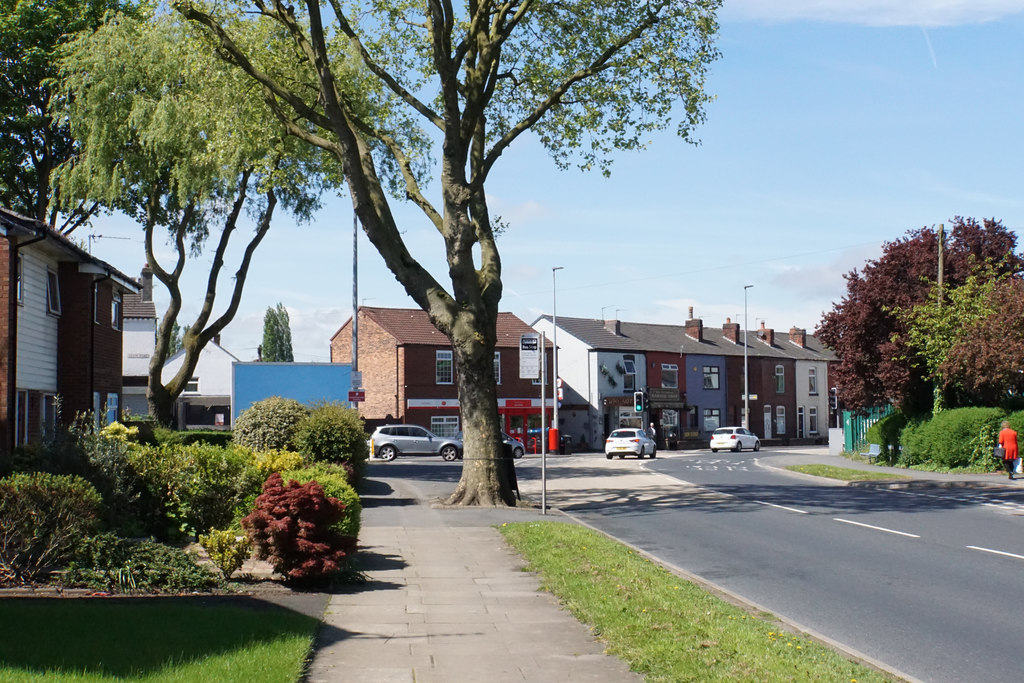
x=391, y=441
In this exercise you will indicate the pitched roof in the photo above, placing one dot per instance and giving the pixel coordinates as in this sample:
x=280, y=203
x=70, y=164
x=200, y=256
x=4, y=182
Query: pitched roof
x=594, y=334
x=411, y=326
x=135, y=307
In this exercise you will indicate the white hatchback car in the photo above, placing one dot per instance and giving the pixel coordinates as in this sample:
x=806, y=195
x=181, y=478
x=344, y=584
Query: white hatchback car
x=734, y=439
x=624, y=442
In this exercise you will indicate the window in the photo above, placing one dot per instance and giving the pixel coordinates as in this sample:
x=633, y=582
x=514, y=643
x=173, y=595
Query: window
x=52, y=292
x=48, y=416
x=112, y=403
x=443, y=371
x=669, y=376
x=780, y=379
x=20, y=418
x=711, y=379
x=812, y=420
x=97, y=409
x=445, y=425
x=17, y=280
x=192, y=386
x=95, y=304
x=812, y=381
x=712, y=418
x=629, y=379
x=497, y=367
x=115, y=311
x=780, y=420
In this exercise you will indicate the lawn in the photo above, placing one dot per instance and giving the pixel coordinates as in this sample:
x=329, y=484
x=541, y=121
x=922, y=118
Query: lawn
x=151, y=639
x=845, y=473
x=663, y=626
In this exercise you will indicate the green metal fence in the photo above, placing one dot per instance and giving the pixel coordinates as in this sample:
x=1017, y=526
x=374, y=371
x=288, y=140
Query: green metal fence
x=856, y=425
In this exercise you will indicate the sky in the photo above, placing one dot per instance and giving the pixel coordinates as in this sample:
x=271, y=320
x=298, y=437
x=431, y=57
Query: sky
x=837, y=125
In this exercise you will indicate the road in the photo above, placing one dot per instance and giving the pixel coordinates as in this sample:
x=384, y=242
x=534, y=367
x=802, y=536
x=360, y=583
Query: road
x=925, y=581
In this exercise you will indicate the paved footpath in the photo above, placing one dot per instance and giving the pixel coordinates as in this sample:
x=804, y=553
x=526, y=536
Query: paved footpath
x=447, y=602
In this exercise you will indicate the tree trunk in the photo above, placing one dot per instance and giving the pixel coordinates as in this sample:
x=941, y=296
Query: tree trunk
x=161, y=403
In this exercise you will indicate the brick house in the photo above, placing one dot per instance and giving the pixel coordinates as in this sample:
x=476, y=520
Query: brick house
x=61, y=334
x=409, y=375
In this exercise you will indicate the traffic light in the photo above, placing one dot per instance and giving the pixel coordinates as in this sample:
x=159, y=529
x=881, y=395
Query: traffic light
x=833, y=395
x=638, y=401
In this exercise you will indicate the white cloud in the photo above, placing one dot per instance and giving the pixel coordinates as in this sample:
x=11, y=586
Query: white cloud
x=928, y=13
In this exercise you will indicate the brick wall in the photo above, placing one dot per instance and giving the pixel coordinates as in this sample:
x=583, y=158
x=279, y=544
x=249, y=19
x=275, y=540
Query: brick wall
x=381, y=362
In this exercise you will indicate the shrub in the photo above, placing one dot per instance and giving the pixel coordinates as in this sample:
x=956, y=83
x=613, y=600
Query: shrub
x=962, y=437
x=110, y=563
x=334, y=433
x=213, y=437
x=269, y=424
x=275, y=460
x=334, y=481
x=292, y=528
x=886, y=433
x=43, y=517
x=201, y=485
x=227, y=549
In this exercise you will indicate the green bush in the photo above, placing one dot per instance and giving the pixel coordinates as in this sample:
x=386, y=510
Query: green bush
x=213, y=437
x=886, y=433
x=334, y=481
x=201, y=486
x=269, y=424
x=1016, y=420
x=962, y=437
x=228, y=549
x=110, y=563
x=43, y=517
x=334, y=433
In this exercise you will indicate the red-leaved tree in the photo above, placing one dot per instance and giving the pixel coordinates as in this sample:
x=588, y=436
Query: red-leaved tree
x=873, y=368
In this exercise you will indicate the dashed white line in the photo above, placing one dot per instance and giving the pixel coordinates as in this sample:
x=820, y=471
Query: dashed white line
x=781, y=507
x=876, y=528
x=996, y=552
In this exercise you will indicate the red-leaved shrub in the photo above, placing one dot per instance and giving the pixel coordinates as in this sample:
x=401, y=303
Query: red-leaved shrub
x=291, y=528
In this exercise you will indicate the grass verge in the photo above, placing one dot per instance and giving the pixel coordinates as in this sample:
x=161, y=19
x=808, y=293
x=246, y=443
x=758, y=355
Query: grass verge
x=844, y=473
x=150, y=640
x=665, y=627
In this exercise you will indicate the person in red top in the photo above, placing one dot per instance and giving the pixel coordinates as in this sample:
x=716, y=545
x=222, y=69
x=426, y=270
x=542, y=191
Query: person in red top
x=1008, y=440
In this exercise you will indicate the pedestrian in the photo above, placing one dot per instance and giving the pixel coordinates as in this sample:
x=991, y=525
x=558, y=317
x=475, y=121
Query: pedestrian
x=654, y=433
x=1008, y=442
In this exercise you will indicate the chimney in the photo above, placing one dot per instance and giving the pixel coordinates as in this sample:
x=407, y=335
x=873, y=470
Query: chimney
x=798, y=336
x=695, y=327
x=613, y=326
x=766, y=335
x=147, y=283
x=731, y=331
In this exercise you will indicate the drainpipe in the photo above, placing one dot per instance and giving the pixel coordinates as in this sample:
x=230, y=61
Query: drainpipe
x=92, y=343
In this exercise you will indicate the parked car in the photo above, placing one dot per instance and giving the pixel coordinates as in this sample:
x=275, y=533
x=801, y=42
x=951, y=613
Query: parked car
x=390, y=441
x=518, y=449
x=624, y=442
x=734, y=439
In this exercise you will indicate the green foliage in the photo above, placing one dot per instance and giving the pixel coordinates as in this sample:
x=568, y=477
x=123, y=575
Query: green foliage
x=334, y=433
x=334, y=480
x=43, y=517
x=276, y=461
x=269, y=424
x=201, y=485
x=228, y=549
x=277, y=336
x=957, y=438
x=886, y=433
x=110, y=563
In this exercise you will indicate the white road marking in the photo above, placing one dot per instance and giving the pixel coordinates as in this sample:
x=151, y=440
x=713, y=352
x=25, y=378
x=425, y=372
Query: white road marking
x=781, y=507
x=876, y=528
x=996, y=552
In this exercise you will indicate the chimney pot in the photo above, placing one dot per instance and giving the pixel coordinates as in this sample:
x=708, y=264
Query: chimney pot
x=689, y=315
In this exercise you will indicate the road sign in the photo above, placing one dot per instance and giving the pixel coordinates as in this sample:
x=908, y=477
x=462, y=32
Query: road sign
x=529, y=356
x=752, y=397
x=356, y=396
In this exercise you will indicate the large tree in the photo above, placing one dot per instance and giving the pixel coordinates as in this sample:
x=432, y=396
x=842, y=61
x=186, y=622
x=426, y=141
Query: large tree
x=875, y=364
x=587, y=78
x=32, y=141
x=173, y=137
x=277, y=336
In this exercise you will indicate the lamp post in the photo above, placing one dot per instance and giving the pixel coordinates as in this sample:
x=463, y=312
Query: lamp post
x=746, y=380
x=554, y=356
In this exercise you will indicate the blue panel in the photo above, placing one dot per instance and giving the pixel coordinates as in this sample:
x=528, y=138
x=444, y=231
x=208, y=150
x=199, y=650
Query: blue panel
x=305, y=382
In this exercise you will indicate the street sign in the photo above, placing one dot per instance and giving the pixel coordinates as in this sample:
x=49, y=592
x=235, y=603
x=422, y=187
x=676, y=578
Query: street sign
x=529, y=356
x=356, y=396
x=357, y=379
x=752, y=397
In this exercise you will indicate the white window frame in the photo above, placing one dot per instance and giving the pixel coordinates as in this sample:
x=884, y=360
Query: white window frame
x=446, y=426
x=497, y=367
x=812, y=381
x=780, y=421
x=629, y=378
x=713, y=373
x=715, y=415
x=97, y=409
x=191, y=386
x=812, y=419
x=52, y=292
x=48, y=416
x=115, y=310
x=444, y=363
x=19, y=276
x=780, y=379
x=672, y=369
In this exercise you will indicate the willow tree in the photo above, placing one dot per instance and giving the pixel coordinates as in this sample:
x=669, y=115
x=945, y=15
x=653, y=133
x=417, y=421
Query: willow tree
x=587, y=78
x=175, y=138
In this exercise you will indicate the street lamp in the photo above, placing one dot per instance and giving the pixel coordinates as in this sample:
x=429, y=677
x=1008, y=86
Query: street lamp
x=746, y=380
x=554, y=352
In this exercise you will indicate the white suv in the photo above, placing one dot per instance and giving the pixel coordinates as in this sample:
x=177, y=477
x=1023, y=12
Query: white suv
x=392, y=440
x=734, y=439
